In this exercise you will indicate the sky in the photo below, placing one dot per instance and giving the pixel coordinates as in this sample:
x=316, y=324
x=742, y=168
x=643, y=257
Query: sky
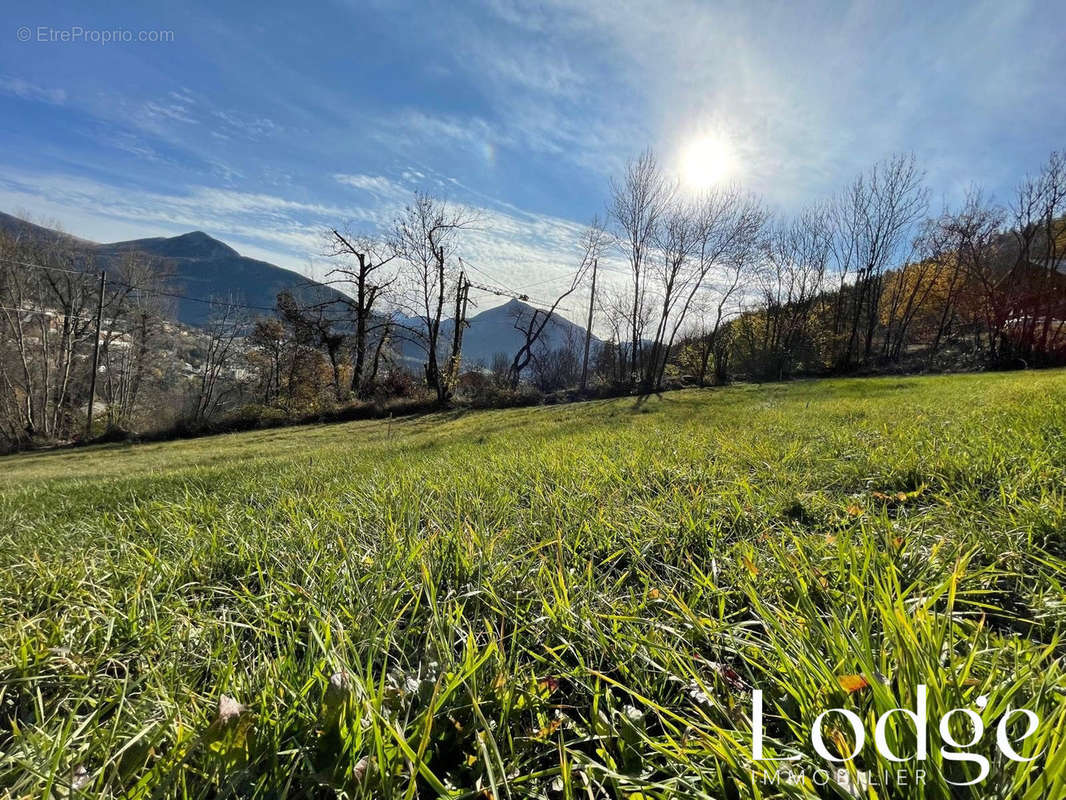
x=265, y=125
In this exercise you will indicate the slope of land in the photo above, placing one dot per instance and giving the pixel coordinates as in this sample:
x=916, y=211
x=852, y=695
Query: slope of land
x=571, y=601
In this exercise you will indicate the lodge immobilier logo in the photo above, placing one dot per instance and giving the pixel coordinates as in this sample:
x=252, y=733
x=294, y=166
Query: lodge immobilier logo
x=951, y=748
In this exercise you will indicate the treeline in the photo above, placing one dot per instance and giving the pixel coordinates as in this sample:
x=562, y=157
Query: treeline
x=711, y=287
x=867, y=280
x=980, y=286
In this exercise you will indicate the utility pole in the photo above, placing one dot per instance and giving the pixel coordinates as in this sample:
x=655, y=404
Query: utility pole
x=462, y=296
x=588, y=329
x=460, y=309
x=96, y=360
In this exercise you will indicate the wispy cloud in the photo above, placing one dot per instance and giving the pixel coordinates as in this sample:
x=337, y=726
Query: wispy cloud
x=376, y=185
x=20, y=87
x=249, y=127
x=169, y=111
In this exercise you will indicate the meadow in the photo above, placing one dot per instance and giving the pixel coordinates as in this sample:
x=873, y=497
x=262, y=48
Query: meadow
x=562, y=602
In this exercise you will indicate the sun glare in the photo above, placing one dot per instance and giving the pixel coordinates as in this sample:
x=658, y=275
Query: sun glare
x=707, y=161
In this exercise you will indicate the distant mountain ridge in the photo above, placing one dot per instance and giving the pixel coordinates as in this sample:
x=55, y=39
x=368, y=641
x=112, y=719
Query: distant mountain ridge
x=204, y=268
x=201, y=267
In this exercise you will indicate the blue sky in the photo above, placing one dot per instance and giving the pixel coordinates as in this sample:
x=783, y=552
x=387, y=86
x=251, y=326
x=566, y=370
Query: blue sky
x=264, y=125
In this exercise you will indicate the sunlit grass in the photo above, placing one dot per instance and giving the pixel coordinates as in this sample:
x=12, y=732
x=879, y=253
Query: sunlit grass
x=560, y=602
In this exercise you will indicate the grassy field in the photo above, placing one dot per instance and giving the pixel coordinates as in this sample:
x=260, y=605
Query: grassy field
x=572, y=601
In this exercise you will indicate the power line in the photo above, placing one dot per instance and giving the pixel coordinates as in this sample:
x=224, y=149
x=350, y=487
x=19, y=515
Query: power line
x=504, y=291
x=487, y=275
x=177, y=296
x=538, y=283
x=498, y=291
x=52, y=269
x=46, y=312
x=150, y=290
x=519, y=293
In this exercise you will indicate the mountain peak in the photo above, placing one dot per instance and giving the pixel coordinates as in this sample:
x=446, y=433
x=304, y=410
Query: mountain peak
x=514, y=304
x=197, y=244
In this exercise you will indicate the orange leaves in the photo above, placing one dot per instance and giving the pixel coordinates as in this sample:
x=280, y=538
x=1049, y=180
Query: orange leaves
x=898, y=498
x=550, y=729
x=852, y=683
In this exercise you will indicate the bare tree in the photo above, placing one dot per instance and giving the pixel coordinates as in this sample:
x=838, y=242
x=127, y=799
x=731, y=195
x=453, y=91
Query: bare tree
x=422, y=238
x=873, y=220
x=268, y=343
x=313, y=325
x=49, y=291
x=612, y=359
x=709, y=249
x=791, y=277
x=500, y=370
x=366, y=258
x=556, y=366
x=637, y=205
x=968, y=243
x=675, y=240
x=222, y=333
x=131, y=344
x=1037, y=305
x=532, y=323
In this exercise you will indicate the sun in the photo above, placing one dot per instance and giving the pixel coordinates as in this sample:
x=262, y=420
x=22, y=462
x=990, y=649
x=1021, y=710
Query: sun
x=707, y=161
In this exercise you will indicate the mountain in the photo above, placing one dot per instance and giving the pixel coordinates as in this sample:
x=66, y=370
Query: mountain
x=200, y=267
x=492, y=331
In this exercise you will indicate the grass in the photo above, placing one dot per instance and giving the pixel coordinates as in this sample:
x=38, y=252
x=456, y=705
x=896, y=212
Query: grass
x=561, y=602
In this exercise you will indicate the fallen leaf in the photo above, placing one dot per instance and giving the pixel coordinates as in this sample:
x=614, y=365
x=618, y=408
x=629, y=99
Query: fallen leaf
x=732, y=677
x=548, y=685
x=549, y=729
x=852, y=683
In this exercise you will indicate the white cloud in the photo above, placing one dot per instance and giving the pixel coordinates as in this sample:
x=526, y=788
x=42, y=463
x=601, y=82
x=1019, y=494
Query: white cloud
x=250, y=127
x=31, y=91
x=374, y=184
x=173, y=111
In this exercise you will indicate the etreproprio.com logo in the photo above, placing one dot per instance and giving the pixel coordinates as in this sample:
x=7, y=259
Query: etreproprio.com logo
x=78, y=34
